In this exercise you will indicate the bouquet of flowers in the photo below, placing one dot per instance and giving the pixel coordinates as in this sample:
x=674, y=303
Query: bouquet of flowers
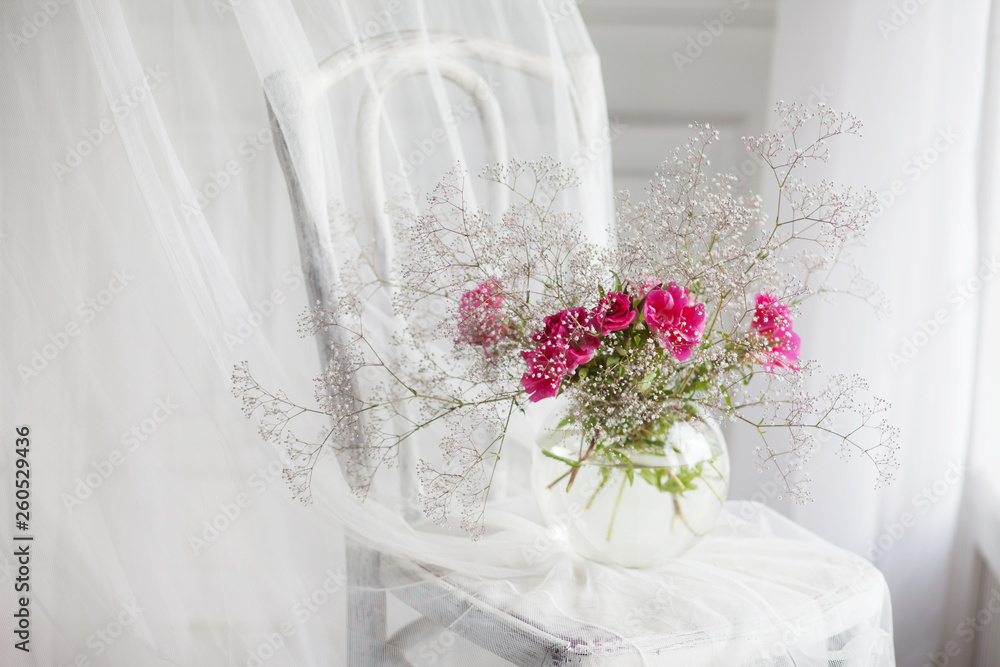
x=688, y=314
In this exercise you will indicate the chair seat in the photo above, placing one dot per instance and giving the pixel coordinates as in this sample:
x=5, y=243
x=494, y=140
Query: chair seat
x=757, y=591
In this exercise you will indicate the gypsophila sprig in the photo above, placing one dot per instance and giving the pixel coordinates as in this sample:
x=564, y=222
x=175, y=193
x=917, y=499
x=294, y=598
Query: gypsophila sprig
x=689, y=316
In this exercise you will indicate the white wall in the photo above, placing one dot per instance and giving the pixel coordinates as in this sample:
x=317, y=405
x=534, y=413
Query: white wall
x=659, y=78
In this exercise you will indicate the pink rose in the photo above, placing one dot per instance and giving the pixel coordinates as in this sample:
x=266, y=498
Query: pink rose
x=784, y=352
x=577, y=329
x=481, y=315
x=676, y=319
x=771, y=317
x=773, y=321
x=547, y=366
x=614, y=313
x=650, y=283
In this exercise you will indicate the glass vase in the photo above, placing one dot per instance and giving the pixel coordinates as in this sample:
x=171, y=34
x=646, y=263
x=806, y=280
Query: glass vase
x=633, y=515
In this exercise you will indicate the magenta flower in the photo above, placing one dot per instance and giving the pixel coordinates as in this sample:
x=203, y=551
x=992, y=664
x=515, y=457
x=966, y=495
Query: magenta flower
x=579, y=332
x=547, y=366
x=676, y=319
x=481, y=315
x=649, y=285
x=614, y=313
x=773, y=321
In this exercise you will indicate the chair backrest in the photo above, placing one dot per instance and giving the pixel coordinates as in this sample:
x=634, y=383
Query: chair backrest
x=393, y=58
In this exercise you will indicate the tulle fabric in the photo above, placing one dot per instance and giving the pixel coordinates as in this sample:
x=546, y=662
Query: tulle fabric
x=148, y=246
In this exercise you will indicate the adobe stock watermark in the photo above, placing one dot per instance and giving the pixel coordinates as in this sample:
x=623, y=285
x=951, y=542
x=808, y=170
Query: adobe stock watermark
x=779, y=650
x=960, y=296
x=703, y=40
x=563, y=10
x=915, y=167
x=899, y=16
x=86, y=312
x=35, y=22
x=923, y=502
x=598, y=146
x=263, y=309
x=645, y=614
x=555, y=537
x=650, y=608
x=426, y=146
x=121, y=108
x=222, y=177
x=430, y=652
x=101, y=639
x=131, y=440
x=377, y=24
x=229, y=512
x=380, y=21
x=968, y=628
x=301, y=611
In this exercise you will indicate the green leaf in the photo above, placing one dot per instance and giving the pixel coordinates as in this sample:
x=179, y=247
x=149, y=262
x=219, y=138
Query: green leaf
x=647, y=381
x=570, y=462
x=630, y=473
x=674, y=485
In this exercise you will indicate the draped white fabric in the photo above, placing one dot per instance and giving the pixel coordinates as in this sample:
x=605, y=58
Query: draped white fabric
x=914, y=73
x=148, y=245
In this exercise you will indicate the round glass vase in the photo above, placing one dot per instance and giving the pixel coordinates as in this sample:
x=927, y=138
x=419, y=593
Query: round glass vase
x=633, y=516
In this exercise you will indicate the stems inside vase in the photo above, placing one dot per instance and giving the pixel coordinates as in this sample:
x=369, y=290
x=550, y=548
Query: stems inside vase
x=618, y=503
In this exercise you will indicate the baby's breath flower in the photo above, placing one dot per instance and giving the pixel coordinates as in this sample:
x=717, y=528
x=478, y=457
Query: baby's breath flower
x=688, y=315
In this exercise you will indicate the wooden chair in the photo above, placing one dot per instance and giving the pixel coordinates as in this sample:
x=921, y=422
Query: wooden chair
x=443, y=603
x=396, y=57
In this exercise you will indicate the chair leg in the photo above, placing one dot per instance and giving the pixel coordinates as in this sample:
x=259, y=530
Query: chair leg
x=367, y=644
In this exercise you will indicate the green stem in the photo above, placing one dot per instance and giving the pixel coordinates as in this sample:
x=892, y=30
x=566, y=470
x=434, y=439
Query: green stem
x=596, y=491
x=711, y=488
x=572, y=472
x=560, y=478
x=618, y=503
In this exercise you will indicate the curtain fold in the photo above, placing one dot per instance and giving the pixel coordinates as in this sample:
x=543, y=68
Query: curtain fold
x=148, y=246
x=914, y=72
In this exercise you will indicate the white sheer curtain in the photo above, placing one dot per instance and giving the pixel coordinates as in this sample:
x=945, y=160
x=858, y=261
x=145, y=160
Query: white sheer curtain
x=914, y=72
x=153, y=508
x=977, y=548
x=148, y=246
